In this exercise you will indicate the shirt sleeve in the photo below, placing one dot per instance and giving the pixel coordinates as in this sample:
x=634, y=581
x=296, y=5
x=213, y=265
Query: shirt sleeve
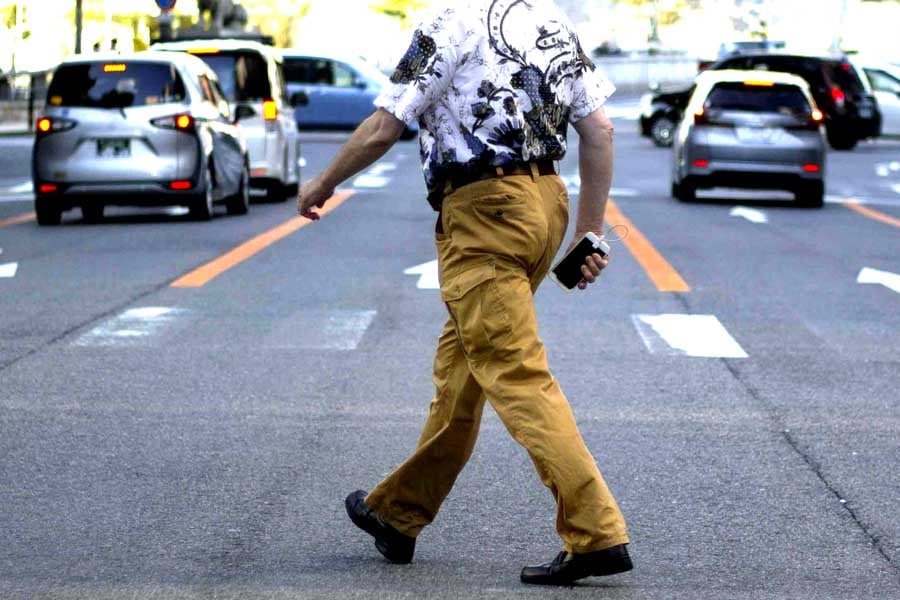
x=590, y=90
x=426, y=70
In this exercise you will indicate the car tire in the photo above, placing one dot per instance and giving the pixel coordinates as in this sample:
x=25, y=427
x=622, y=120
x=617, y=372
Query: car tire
x=239, y=203
x=92, y=213
x=684, y=191
x=662, y=131
x=277, y=191
x=811, y=195
x=46, y=213
x=201, y=206
x=841, y=141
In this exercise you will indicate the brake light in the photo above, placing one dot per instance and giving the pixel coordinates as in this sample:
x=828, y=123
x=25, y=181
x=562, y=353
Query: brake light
x=701, y=163
x=48, y=125
x=270, y=110
x=837, y=94
x=48, y=188
x=182, y=122
x=812, y=168
x=182, y=184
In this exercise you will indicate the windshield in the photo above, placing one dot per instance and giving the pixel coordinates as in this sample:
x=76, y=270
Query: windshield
x=243, y=76
x=115, y=85
x=779, y=98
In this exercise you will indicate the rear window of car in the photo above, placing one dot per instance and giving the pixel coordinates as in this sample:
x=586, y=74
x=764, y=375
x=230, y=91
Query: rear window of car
x=778, y=98
x=243, y=76
x=843, y=74
x=115, y=85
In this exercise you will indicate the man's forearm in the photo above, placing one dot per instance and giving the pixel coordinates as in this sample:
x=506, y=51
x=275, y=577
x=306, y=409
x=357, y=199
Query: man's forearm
x=371, y=140
x=595, y=165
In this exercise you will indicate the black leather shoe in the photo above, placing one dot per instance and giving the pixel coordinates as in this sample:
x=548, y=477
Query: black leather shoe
x=567, y=568
x=395, y=546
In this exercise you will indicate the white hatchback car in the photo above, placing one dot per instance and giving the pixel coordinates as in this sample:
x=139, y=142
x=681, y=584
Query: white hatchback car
x=250, y=74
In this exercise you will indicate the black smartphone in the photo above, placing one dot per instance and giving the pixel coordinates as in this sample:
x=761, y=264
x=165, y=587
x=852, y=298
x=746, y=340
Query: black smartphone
x=567, y=272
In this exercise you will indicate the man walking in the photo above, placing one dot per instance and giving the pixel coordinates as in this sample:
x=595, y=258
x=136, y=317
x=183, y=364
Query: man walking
x=494, y=85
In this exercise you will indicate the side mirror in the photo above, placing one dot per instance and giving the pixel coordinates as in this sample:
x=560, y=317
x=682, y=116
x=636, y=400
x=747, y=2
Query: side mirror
x=243, y=111
x=299, y=99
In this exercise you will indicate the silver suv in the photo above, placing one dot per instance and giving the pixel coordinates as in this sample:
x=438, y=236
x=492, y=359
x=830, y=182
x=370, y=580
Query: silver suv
x=251, y=77
x=750, y=129
x=138, y=129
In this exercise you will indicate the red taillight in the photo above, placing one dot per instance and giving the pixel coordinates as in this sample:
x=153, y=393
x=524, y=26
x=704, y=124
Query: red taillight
x=48, y=188
x=701, y=163
x=270, y=110
x=181, y=185
x=182, y=122
x=838, y=95
x=811, y=168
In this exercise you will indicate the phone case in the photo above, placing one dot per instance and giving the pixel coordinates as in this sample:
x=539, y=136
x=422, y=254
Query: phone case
x=567, y=272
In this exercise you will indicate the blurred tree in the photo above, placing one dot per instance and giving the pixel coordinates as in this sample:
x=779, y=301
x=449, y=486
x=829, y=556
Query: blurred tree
x=401, y=9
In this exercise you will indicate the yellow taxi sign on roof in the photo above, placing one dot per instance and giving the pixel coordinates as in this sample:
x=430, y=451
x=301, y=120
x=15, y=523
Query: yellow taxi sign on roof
x=204, y=50
x=115, y=68
x=759, y=83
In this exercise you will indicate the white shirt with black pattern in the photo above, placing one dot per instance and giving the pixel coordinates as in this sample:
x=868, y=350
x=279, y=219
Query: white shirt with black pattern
x=493, y=82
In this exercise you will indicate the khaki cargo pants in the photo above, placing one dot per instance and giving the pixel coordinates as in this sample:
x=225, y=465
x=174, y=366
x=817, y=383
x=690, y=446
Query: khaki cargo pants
x=500, y=238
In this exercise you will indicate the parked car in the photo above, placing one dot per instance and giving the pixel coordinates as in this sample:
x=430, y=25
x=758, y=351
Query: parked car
x=251, y=77
x=882, y=80
x=744, y=129
x=341, y=89
x=851, y=113
x=138, y=129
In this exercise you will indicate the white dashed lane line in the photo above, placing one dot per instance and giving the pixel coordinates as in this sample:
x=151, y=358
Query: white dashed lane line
x=687, y=335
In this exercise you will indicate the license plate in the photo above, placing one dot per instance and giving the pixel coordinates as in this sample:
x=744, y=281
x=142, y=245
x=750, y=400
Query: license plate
x=114, y=148
x=754, y=135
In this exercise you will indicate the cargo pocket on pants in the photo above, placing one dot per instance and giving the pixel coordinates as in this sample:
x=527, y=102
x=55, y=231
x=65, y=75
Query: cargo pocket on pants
x=477, y=309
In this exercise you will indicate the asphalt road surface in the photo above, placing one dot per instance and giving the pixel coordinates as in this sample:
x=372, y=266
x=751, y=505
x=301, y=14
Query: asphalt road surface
x=173, y=433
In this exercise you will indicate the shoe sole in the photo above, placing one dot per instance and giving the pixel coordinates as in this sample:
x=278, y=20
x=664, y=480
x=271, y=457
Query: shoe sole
x=380, y=544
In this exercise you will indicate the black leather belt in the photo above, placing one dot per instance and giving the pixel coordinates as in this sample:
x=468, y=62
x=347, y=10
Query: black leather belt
x=458, y=180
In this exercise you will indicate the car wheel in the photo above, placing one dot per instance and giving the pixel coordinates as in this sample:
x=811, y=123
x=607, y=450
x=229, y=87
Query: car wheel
x=811, y=195
x=92, y=213
x=662, y=131
x=239, y=203
x=277, y=191
x=201, y=206
x=684, y=191
x=842, y=141
x=46, y=213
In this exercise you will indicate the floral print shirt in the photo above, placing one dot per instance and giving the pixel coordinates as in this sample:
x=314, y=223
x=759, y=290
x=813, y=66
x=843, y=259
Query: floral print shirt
x=493, y=82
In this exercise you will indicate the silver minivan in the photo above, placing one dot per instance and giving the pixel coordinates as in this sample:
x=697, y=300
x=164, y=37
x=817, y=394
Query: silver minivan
x=750, y=129
x=251, y=77
x=140, y=129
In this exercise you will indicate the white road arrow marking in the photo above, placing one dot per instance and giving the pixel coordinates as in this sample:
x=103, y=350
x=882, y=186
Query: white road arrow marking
x=428, y=275
x=8, y=270
x=751, y=214
x=687, y=335
x=885, y=278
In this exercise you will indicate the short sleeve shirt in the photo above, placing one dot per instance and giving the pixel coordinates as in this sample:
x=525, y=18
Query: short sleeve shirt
x=493, y=82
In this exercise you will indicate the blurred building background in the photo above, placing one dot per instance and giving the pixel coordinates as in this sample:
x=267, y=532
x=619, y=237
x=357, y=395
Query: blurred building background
x=36, y=34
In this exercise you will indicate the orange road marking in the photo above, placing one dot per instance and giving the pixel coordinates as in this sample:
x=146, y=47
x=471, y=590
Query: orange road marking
x=19, y=219
x=203, y=275
x=872, y=214
x=663, y=275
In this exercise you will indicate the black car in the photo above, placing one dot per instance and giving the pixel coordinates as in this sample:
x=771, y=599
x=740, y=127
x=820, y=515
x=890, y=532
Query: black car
x=851, y=113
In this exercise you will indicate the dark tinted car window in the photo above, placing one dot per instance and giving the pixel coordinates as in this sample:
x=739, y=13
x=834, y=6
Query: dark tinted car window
x=308, y=70
x=844, y=75
x=243, y=76
x=779, y=98
x=114, y=85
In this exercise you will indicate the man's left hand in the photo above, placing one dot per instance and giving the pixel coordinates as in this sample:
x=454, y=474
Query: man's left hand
x=312, y=195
